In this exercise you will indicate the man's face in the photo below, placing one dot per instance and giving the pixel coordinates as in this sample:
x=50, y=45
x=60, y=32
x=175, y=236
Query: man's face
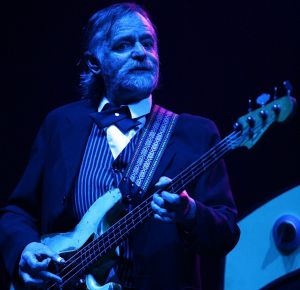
x=128, y=59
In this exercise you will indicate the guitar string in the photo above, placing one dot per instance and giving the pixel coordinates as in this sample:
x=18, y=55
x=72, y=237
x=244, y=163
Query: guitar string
x=223, y=142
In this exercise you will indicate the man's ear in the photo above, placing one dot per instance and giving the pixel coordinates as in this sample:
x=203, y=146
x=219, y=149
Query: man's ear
x=92, y=63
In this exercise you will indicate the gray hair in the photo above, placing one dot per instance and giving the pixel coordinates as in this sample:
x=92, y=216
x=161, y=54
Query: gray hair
x=92, y=85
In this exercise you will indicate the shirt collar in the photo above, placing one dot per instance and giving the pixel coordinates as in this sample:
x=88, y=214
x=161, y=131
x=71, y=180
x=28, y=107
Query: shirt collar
x=137, y=109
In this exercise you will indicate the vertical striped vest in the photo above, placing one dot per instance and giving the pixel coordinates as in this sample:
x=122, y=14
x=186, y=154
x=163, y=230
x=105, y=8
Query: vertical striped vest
x=99, y=172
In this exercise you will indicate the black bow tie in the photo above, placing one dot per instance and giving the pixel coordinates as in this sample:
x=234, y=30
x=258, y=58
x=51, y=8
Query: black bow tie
x=119, y=116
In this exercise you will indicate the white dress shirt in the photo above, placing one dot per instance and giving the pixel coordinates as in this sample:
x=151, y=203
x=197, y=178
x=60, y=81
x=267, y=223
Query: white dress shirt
x=116, y=139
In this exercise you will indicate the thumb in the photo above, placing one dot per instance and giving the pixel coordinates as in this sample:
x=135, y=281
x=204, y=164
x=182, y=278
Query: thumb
x=54, y=256
x=163, y=181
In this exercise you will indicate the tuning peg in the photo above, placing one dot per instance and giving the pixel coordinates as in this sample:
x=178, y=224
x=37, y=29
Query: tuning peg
x=275, y=93
x=288, y=86
x=249, y=105
x=250, y=119
x=263, y=99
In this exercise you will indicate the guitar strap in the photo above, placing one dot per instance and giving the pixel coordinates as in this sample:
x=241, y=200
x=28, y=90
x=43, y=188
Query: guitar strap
x=150, y=148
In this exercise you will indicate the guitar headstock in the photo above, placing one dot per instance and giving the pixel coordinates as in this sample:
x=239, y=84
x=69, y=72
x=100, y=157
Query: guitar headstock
x=252, y=126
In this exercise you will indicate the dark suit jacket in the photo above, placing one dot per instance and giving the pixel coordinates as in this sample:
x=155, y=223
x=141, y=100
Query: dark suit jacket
x=166, y=256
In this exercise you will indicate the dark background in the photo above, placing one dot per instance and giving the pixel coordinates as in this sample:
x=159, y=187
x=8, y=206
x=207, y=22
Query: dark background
x=215, y=55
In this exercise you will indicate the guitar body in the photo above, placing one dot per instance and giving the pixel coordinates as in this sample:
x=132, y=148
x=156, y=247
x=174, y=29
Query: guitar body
x=97, y=220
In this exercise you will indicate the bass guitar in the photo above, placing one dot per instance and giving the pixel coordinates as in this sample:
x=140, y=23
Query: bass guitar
x=89, y=247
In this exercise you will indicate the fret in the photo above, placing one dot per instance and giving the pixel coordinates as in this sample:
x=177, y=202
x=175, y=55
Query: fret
x=105, y=238
x=139, y=213
x=86, y=256
x=82, y=261
x=193, y=173
x=100, y=241
x=98, y=247
x=92, y=254
x=182, y=181
x=203, y=166
x=126, y=227
x=172, y=187
x=114, y=235
x=89, y=253
x=133, y=222
x=214, y=154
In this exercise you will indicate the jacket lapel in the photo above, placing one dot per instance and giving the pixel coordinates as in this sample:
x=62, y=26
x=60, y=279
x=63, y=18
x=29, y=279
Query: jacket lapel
x=74, y=139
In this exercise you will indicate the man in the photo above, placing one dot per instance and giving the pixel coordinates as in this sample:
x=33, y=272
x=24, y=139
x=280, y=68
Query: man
x=75, y=161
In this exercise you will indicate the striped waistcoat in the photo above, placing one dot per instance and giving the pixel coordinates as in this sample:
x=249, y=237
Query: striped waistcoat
x=99, y=172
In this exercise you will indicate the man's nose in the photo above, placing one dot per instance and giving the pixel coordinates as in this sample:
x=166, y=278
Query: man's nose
x=139, y=52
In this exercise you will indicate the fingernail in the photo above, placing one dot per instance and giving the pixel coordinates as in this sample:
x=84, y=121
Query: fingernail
x=60, y=260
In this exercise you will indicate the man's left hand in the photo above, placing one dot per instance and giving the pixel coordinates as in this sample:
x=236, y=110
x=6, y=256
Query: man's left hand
x=171, y=207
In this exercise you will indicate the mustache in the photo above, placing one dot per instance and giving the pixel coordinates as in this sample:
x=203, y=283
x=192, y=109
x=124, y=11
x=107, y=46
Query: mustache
x=141, y=66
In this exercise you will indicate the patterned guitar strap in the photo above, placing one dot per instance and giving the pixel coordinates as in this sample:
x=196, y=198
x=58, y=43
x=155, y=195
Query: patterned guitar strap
x=150, y=148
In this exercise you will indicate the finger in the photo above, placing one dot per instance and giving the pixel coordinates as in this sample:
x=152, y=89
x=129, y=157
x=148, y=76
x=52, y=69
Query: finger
x=59, y=260
x=185, y=200
x=163, y=219
x=158, y=200
x=48, y=276
x=184, y=194
x=163, y=181
x=171, y=198
x=163, y=212
x=157, y=209
x=30, y=281
x=54, y=256
x=31, y=264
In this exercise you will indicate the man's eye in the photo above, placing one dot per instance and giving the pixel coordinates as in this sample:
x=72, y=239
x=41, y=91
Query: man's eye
x=148, y=44
x=122, y=46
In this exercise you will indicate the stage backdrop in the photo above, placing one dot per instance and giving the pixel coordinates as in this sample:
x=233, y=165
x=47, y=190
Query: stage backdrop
x=215, y=55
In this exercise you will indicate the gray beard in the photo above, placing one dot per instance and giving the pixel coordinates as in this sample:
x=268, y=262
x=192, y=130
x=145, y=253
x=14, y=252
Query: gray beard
x=135, y=88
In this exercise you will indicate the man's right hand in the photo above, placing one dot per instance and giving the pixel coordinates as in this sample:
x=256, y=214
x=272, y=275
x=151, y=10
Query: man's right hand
x=34, y=262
